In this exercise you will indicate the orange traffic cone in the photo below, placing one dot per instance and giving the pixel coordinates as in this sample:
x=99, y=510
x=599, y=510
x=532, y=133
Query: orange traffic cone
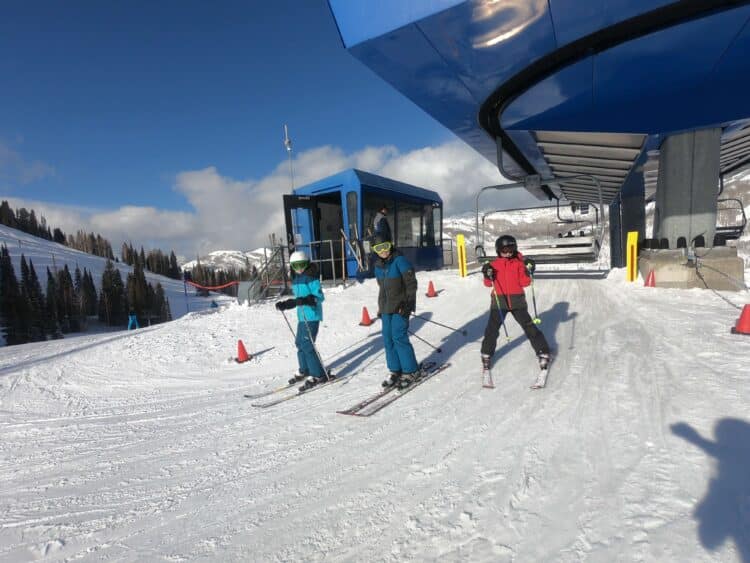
x=650, y=280
x=743, y=323
x=366, y=320
x=431, y=290
x=242, y=355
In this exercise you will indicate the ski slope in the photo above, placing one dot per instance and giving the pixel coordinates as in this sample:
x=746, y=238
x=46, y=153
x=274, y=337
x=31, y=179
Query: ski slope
x=139, y=446
x=47, y=254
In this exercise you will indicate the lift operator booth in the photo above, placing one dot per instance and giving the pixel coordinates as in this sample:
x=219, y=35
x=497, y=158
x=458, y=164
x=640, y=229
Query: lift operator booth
x=318, y=216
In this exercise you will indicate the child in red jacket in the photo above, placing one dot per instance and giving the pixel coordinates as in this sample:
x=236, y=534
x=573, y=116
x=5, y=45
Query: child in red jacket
x=507, y=275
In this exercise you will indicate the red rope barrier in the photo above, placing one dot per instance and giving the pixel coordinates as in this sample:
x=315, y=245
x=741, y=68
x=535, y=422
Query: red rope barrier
x=212, y=287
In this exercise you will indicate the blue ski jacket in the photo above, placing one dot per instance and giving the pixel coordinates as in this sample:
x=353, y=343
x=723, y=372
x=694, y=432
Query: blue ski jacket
x=304, y=284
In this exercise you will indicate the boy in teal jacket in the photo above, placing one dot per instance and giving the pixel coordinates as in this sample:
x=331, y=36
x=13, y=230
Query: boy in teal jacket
x=308, y=299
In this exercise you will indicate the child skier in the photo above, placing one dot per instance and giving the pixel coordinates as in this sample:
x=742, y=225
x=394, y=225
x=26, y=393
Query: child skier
x=397, y=300
x=308, y=299
x=507, y=275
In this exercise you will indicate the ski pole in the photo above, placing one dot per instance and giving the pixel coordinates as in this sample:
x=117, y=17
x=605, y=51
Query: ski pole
x=287, y=324
x=536, y=320
x=502, y=317
x=438, y=350
x=462, y=331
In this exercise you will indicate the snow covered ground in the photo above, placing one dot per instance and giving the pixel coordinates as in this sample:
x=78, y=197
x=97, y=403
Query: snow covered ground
x=140, y=446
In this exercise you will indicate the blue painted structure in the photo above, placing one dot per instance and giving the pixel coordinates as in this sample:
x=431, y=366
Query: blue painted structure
x=349, y=200
x=497, y=72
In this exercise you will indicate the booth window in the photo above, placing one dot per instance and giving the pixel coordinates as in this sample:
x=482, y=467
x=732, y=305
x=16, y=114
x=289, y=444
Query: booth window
x=430, y=218
x=351, y=212
x=372, y=204
x=409, y=225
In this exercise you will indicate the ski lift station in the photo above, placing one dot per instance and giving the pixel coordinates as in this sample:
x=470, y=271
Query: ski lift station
x=332, y=219
x=611, y=104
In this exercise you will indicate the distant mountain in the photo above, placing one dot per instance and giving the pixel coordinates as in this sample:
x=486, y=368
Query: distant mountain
x=228, y=259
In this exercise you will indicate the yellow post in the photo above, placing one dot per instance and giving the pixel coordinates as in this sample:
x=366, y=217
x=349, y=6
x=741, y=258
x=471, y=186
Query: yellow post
x=461, y=243
x=632, y=256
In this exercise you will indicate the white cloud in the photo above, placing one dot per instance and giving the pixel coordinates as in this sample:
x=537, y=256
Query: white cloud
x=14, y=168
x=241, y=213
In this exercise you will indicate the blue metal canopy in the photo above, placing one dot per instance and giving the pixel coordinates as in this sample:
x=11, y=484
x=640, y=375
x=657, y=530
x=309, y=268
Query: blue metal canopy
x=559, y=87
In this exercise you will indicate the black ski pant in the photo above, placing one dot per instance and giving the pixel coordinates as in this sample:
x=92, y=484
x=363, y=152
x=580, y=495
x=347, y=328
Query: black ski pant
x=521, y=314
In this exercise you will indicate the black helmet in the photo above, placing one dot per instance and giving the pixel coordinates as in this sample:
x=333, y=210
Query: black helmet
x=506, y=241
x=378, y=238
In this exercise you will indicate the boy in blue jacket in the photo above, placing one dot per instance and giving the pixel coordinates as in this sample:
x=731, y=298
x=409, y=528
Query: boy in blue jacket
x=397, y=300
x=308, y=299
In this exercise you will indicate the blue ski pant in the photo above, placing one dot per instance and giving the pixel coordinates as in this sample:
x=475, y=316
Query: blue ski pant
x=306, y=356
x=399, y=353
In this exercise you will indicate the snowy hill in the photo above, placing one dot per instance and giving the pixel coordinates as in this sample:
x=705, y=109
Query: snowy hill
x=140, y=446
x=46, y=254
x=228, y=259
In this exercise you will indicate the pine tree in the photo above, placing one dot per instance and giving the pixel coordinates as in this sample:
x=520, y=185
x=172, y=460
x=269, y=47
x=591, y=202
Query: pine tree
x=31, y=303
x=89, y=290
x=10, y=295
x=66, y=301
x=58, y=236
x=174, y=268
x=51, y=322
x=7, y=217
x=112, y=298
x=36, y=300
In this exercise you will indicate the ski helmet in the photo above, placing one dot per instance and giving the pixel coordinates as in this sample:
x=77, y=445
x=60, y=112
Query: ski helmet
x=378, y=238
x=299, y=260
x=506, y=241
x=298, y=256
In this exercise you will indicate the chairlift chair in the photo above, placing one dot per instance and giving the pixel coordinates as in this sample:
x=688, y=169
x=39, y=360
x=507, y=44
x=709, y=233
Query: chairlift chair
x=556, y=250
x=731, y=219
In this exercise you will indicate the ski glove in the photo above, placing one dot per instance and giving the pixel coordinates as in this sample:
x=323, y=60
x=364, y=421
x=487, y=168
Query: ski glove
x=406, y=308
x=488, y=271
x=286, y=304
x=530, y=265
x=306, y=300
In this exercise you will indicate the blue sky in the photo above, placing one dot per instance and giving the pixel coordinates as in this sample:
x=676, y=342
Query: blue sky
x=150, y=121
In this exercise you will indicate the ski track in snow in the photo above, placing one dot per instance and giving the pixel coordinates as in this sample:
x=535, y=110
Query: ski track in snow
x=139, y=446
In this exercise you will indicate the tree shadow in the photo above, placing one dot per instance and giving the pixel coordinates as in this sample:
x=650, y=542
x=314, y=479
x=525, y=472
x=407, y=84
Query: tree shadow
x=724, y=511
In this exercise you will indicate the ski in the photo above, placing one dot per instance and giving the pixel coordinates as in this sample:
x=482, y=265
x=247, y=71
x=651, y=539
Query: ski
x=391, y=394
x=300, y=393
x=541, y=379
x=371, y=399
x=271, y=392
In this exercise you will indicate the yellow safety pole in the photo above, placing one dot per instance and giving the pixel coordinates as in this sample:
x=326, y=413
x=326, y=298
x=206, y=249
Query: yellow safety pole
x=461, y=243
x=632, y=256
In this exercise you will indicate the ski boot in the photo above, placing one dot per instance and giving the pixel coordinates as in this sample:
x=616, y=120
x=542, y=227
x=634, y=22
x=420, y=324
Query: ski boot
x=408, y=378
x=392, y=380
x=297, y=377
x=311, y=382
x=486, y=360
x=486, y=373
x=544, y=360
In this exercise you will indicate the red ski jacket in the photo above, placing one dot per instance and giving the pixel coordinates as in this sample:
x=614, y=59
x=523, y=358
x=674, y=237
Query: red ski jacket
x=510, y=276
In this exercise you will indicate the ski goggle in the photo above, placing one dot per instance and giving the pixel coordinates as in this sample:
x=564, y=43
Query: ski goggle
x=301, y=265
x=507, y=249
x=382, y=246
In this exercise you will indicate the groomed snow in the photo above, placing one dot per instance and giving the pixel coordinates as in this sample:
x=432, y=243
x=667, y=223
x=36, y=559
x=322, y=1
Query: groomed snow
x=139, y=446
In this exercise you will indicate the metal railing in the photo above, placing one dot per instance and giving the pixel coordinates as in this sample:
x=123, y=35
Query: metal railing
x=273, y=275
